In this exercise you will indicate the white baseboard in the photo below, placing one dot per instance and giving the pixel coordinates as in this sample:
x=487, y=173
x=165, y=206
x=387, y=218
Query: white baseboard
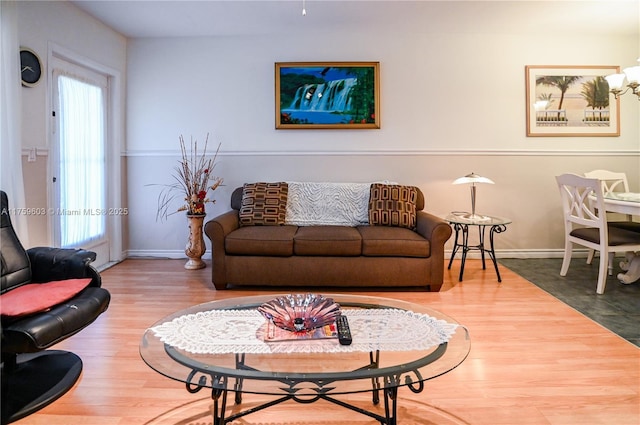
x=174, y=255
x=526, y=253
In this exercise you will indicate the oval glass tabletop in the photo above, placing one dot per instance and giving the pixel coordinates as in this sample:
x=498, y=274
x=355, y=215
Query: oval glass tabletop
x=225, y=345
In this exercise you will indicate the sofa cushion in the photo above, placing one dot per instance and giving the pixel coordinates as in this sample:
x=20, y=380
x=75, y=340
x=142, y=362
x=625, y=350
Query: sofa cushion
x=261, y=240
x=385, y=241
x=327, y=241
x=393, y=205
x=263, y=204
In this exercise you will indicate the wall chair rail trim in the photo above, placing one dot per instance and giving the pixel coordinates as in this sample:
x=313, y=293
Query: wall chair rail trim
x=425, y=152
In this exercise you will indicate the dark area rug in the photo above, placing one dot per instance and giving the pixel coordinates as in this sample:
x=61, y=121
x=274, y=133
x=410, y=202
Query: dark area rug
x=618, y=309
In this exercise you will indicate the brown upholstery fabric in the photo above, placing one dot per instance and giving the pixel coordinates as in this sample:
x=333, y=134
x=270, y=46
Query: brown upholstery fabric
x=263, y=255
x=616, y=236
x=420, y=200
x=313, y=272
x=384, y=241
x=264, y=204
x=393, y=205
x=632, y=226
x=327, y=241
x=236, y=198
x=261, y=240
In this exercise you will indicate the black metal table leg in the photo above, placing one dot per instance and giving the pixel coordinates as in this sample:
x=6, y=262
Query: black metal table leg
x=456, y=245
x=374, y=360
x=219, y=397
x=461, y=225
x=492, y=253
x=465, y=249
x=481, y=245
x=462, y=232
x=240, y=364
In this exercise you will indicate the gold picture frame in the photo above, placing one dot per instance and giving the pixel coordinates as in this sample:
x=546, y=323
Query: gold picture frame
x=571, y=101
x=327, y=95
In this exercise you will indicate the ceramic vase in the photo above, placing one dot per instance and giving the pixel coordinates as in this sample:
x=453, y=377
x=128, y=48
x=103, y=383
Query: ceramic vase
x=195, y=248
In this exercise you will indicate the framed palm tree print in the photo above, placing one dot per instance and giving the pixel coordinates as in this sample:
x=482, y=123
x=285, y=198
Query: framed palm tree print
x=327, y=95
x=571, y=101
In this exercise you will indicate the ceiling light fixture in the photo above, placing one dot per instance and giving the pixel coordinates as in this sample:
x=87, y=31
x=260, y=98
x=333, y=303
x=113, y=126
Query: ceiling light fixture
x=616, y=81
x=304, y=9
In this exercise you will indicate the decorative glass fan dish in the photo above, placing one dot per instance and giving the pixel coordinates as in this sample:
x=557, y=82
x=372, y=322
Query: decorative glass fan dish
x=300, y=312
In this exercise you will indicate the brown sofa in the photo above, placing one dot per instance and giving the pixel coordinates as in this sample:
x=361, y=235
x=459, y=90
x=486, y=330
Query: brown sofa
x=327, y=255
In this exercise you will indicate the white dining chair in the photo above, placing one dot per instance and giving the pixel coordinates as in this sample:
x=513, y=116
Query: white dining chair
x=613, y=181
x=586, y=225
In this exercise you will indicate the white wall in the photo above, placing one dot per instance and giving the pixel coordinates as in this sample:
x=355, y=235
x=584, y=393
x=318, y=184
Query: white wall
x=453, y=101
x=443, y=92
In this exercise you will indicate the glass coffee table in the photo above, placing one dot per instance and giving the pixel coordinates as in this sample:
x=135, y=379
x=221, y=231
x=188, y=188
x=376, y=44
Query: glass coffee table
x=222, y=346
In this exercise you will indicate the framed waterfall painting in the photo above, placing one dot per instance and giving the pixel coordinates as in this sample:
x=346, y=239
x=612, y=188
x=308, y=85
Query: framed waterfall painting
x=571, y=101
x=327, y=95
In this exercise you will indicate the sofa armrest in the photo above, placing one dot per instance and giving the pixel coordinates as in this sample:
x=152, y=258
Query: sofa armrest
x=49, y=264
x=217, y=230
x=433, y=228
x=437, y=231
x=223, y=224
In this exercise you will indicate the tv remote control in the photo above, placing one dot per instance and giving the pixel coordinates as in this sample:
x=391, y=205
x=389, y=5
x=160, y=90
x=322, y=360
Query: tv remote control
x=344, y=333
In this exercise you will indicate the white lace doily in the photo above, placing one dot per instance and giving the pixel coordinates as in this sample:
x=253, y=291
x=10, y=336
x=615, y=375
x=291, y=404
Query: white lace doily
x=242, y=331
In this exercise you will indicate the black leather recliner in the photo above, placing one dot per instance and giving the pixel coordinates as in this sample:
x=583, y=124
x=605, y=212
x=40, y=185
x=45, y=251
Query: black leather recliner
x=33, y=377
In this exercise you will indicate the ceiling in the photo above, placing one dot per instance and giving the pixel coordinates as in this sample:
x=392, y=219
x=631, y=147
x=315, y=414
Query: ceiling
x=187, y=18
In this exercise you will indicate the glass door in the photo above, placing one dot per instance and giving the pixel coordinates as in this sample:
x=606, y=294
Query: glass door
x=79, y=160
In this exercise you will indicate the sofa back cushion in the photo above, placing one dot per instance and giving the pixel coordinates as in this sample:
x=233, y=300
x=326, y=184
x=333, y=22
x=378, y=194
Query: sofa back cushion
x=236, y=198
x=264, y=204
x=308, y=203
x=393, y=205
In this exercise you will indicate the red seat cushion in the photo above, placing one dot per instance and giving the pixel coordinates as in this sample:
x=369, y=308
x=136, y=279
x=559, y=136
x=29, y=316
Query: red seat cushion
x=37, y=297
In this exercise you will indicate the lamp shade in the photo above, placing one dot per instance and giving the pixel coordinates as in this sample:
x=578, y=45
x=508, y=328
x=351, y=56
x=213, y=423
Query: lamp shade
x=541, y=105
x=616, y=81
x=472, y=178
x=633, y=74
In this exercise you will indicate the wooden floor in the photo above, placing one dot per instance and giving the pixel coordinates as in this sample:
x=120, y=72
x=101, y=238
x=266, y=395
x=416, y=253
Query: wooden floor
x=533, y=360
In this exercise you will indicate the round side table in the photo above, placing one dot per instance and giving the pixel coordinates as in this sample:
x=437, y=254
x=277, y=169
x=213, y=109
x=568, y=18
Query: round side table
x=461, y=222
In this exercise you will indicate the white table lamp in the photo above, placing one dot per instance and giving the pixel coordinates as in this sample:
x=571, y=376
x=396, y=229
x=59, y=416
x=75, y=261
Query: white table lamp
x=472, y=179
